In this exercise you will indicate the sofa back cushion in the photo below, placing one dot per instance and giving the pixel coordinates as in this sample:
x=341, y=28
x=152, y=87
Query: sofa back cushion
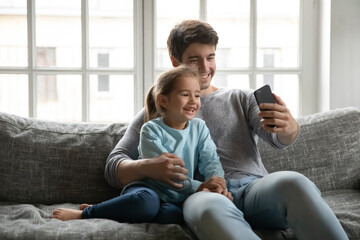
x=327, y=150
x=48, y=162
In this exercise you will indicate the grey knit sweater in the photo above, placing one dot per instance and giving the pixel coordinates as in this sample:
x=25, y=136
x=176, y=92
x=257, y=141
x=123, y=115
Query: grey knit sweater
x=232, y=118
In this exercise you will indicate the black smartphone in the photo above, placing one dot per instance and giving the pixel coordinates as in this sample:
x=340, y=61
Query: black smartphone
x=264, y=95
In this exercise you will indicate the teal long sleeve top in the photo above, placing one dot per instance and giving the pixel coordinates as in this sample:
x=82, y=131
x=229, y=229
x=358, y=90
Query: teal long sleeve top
x=193, y=144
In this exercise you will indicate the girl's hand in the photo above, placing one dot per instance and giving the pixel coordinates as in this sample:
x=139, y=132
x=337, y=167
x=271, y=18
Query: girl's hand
x=213, y=184
x=228, y=195
x=217, y=185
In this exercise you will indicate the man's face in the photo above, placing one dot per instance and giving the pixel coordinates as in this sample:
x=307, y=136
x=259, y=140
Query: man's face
x=201, y=57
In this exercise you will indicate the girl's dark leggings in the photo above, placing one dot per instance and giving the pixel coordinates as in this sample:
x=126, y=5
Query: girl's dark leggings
x=137, y=204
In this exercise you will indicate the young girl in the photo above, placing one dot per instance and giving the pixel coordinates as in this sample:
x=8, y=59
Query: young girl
x=170, y=127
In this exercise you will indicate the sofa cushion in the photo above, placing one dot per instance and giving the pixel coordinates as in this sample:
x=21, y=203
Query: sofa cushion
x=27, y=221
x=346, y=206
x=327, y=150
x=49, y=162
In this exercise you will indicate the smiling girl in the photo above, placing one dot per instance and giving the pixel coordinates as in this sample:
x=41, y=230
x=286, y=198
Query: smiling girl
x=170, y=128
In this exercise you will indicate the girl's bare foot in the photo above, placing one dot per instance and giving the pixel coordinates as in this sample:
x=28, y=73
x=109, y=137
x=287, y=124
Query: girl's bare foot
x=66, y=214
x=84, y=205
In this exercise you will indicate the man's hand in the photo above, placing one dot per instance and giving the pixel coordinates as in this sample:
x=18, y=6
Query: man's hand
x=279, y=115
x=167, y=167
x=217, y=185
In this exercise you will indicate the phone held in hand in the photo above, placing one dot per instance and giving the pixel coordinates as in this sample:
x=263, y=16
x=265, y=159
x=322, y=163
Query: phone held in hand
x=264, y=95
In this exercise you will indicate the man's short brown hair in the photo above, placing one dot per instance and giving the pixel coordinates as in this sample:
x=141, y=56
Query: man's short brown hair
x=188, y=32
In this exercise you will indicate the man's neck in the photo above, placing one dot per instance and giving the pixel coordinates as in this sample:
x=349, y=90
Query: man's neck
x=208, y=91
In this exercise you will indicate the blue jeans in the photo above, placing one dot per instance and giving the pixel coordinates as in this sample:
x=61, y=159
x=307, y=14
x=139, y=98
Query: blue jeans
x=276, y=201
x=137, y=204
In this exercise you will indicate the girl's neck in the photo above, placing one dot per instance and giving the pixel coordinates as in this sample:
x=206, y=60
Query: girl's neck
x=174, y=124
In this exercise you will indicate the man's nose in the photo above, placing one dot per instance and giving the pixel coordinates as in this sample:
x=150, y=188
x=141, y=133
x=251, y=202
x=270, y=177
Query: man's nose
x=203, y=65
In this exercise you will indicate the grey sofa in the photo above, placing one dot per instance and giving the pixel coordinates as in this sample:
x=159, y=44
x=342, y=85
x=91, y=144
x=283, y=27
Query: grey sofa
x=45, y=165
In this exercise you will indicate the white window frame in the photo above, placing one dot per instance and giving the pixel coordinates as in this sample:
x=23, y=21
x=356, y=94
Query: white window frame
x=144, y=69
x=305, y=71
x=85, y=70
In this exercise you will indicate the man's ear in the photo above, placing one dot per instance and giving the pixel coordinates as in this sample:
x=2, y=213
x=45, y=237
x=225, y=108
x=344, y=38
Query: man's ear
x=174, y=61
x=162, y=100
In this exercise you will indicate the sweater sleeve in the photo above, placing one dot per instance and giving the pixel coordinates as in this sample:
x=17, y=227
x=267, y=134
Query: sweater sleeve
x=126, y=148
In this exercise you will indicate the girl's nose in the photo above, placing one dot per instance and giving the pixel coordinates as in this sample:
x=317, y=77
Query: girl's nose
x=192, y=98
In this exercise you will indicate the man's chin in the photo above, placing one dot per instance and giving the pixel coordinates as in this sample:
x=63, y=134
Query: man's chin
x=205, y=86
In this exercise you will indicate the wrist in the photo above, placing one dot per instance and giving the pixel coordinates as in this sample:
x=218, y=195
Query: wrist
x=289, y=138
x=130, y=170
x=143, y=166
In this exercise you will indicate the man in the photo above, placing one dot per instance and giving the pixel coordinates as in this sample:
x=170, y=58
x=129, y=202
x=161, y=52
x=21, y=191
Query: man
x=260, y=200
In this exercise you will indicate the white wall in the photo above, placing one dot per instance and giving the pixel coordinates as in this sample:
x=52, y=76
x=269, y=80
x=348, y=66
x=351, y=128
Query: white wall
x=345, y=54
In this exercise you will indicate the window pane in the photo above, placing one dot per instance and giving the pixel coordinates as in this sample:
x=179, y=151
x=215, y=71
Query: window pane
x=58, y=27
x=231, y=20
x=169, y=13
x=59, y=97
x=14, y=94
x=286, y=87
x=13, y=33
x=231, y=81
x=278, y=33
x=111, y=33
x=111, y=98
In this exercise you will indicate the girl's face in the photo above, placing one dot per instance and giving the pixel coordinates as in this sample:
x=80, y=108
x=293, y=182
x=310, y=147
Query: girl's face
x=182, y=103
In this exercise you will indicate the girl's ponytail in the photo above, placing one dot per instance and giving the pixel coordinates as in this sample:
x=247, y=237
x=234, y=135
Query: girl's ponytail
x=150, y=105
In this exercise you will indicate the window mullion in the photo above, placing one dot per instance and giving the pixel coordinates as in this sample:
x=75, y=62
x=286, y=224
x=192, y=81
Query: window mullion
x=149, y=30
x=31, y=57
x=139, y=55
x=85, y=61
x=253, y=44
x=203, y=10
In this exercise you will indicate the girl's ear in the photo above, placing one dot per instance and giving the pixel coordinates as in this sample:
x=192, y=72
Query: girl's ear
x=162, y=100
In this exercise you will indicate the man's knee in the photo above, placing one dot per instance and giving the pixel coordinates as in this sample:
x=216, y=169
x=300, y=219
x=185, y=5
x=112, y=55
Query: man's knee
x=214, y=216
x=293, y=184
x=210, y=206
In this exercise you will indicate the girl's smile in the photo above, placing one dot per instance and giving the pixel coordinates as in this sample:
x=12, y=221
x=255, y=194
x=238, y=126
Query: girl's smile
x=182, y=103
